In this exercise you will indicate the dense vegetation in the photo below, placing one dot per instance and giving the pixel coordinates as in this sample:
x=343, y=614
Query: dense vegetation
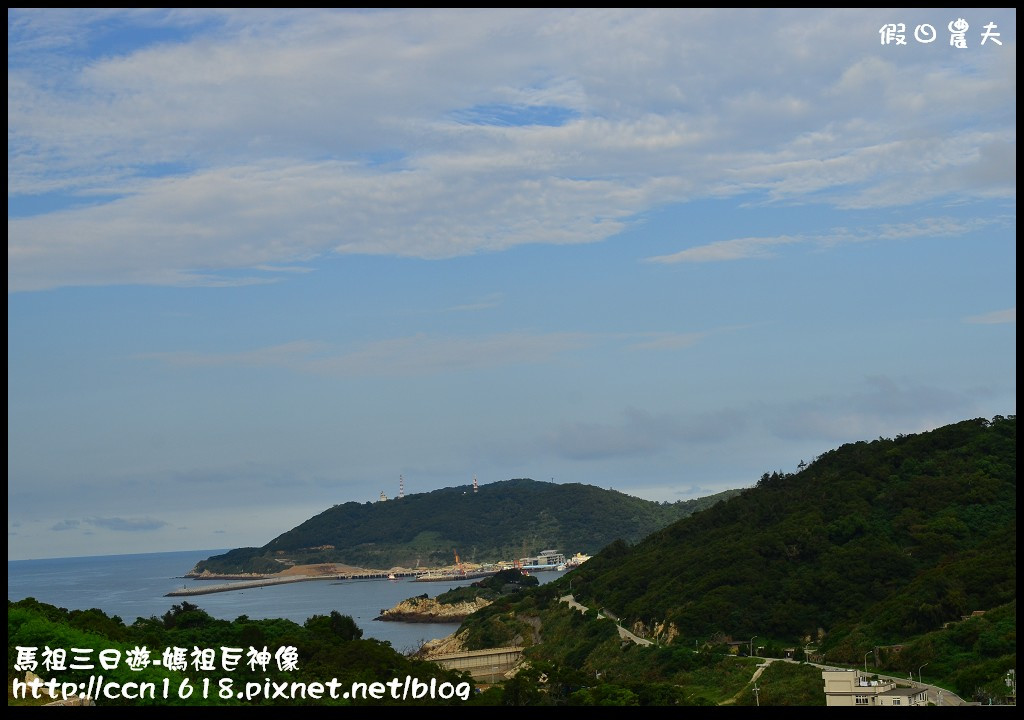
x=785, y=684
x=889, y=538
x=490, y=588
x=872, y=548
x=329, y=646
x=579, y=659
x=503, y=521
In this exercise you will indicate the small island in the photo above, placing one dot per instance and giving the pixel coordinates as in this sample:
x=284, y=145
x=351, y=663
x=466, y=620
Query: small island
x=457, y=604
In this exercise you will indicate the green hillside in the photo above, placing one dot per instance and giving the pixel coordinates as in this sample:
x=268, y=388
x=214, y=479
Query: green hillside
x=502, y=521
x=889, y=538
x=878, y=548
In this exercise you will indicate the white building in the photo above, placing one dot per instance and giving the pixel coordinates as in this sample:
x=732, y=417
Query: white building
x=852, y=687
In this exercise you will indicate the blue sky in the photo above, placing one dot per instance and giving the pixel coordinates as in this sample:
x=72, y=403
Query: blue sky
x=261, y=262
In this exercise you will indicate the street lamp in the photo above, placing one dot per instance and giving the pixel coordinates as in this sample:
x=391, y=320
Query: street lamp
x=919, y=673
x=752, y=646
x=866, y=661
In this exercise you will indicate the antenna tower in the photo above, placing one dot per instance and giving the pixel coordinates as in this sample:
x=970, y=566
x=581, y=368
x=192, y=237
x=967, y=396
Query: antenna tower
x=476, y=486
x=401, y=487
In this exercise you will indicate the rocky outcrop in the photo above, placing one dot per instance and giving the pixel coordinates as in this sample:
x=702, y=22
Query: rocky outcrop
x=454, y=643
x=428, y=610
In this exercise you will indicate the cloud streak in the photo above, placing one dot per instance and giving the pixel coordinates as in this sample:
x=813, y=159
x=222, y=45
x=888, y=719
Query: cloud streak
x=641, y=433
x=996, y=317
x=117, y=524
x=416, y=355
x=760, y=247
x=424, y=354
x=885, y=406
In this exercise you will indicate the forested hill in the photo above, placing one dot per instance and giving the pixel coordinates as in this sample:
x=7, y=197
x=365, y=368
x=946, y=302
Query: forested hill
x=871, y=544
x=502, y=521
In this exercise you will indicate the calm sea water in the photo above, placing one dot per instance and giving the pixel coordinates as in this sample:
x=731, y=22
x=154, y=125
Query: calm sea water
x=134, y=586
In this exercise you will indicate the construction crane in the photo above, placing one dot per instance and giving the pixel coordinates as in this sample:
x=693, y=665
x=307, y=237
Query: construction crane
x=458, y=563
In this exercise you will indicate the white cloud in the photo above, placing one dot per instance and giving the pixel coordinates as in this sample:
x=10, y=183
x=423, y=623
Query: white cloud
x=298, y=134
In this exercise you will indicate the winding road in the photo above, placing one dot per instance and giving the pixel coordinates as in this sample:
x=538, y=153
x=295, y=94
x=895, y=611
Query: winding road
x=623, y=632
x=936, y=695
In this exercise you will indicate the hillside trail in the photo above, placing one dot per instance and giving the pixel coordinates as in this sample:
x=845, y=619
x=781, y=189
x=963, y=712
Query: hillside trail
x=757, y=673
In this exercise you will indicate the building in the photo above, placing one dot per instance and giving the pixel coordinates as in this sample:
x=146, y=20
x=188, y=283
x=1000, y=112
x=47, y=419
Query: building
x=852, y=687
x=547, y=560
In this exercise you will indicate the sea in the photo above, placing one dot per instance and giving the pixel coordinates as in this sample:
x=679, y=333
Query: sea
x=133, y=586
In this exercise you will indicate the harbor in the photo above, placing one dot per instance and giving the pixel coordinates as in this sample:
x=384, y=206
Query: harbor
x=548, y=560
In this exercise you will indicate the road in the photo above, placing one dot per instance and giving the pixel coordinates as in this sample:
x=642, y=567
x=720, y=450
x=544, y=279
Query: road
x=623, y=632
x=936, y=695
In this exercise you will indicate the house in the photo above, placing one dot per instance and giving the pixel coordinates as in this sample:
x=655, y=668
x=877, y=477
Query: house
x=852, y=687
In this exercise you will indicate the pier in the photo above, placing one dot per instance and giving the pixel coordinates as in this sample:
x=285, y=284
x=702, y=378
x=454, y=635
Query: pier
x=270, y=581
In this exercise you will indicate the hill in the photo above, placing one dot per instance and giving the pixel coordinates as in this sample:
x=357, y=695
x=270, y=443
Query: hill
x=891, y=537
x=502, y=521
x=871, y=550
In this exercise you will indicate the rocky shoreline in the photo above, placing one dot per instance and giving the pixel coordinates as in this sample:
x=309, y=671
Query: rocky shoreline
x=423, y=609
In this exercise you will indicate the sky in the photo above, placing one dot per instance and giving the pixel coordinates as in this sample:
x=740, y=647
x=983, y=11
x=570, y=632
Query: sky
x=261, y=262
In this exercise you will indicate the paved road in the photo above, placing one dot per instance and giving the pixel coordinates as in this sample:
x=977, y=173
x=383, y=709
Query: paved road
x=623, y=632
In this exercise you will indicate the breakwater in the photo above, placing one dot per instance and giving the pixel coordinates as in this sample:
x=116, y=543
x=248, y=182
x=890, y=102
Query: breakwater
x=270, y=581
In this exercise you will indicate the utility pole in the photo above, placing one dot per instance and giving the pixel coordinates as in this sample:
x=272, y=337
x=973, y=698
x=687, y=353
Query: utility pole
x=757, y=695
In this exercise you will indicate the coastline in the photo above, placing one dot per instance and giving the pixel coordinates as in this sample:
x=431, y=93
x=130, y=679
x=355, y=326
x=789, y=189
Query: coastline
x=428, y=610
